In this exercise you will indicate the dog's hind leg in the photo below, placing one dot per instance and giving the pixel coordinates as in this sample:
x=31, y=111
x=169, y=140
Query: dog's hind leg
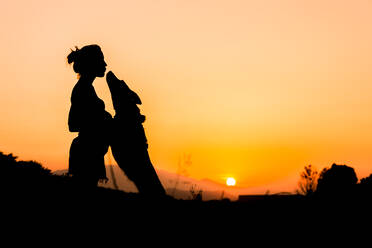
x=138, y=168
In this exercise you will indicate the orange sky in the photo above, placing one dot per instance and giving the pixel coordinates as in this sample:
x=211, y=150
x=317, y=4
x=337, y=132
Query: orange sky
x=255, y=90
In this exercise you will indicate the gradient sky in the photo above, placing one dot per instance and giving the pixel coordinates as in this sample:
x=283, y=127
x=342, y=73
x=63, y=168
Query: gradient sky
x=255, y=90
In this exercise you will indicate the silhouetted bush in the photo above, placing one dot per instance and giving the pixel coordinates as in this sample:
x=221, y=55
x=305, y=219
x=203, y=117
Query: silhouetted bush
x=7, y=162
x=367, y=181
x=365, y=186
x=308, y=182
x=196, y=194
x=21, y=171
x=30, y=180
x=339, y=180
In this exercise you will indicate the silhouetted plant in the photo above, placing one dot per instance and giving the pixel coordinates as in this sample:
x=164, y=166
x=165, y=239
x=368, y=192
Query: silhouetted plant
x=308, y=181
x=196, y=194
x=366, y=180
x=27, y=177
x=366, y=185
x=33, y=168
x=222, y=194
x=7, y=161
x=10, y=167
x=183, y=164
x=337, y=180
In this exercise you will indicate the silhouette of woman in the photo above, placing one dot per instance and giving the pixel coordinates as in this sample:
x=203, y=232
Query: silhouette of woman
x=88, y=117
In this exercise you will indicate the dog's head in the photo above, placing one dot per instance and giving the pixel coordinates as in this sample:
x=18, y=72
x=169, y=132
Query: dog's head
x=119, y=89
x=124, y=99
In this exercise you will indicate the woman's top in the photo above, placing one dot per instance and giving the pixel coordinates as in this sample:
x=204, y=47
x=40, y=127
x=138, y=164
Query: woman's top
x=88, y=116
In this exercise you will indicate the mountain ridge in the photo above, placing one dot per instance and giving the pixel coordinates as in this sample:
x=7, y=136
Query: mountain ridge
x=176, y=185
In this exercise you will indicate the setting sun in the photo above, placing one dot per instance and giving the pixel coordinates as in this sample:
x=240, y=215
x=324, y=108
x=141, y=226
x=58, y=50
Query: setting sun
x=254, y=90
x=230, y=181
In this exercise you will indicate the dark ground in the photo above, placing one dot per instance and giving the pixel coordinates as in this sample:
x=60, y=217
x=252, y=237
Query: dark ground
x=33, y=199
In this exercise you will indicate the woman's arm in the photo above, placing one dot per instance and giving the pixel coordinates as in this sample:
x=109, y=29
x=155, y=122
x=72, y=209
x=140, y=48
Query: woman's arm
x=73, y=120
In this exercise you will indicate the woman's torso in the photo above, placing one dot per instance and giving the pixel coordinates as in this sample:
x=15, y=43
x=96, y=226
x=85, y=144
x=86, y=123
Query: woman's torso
x=87, y=114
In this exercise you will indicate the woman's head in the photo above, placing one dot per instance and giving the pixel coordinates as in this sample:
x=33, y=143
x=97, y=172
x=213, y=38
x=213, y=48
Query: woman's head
x=88, y=60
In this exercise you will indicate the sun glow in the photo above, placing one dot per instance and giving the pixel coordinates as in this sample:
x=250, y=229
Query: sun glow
x=230, y=181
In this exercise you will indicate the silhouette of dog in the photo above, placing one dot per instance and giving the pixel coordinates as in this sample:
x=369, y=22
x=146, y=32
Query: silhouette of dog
x=128, y=139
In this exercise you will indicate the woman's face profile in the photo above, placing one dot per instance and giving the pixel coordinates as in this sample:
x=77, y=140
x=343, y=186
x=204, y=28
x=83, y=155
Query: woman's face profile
x=100, y=66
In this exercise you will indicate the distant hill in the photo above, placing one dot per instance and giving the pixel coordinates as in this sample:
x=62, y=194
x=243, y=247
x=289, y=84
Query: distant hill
x=211, y=190
x=176, y=185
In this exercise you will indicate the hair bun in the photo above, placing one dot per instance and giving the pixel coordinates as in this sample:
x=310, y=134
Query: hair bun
x=73, y=55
